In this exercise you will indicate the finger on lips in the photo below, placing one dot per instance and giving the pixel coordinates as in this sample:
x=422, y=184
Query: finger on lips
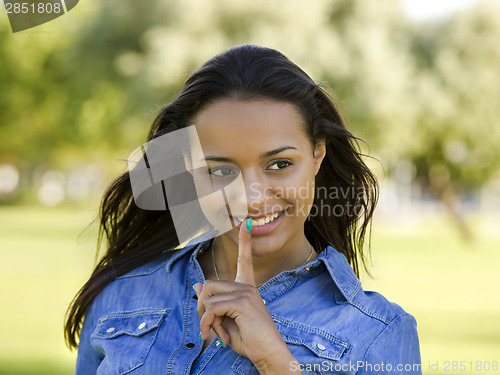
x=244, y=270
x=212, y=308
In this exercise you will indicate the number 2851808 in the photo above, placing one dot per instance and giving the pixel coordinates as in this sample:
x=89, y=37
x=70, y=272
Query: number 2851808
x=475, y=366
x=39, y=8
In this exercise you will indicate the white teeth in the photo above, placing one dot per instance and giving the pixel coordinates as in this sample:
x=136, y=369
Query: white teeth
x=265, y=220
x=261, y=221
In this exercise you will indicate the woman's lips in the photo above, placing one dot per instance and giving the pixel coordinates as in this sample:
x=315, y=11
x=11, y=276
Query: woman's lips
x=241, y=218
x=265, y=227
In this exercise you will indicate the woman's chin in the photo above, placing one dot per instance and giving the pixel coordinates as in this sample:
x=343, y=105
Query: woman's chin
x=263, y=248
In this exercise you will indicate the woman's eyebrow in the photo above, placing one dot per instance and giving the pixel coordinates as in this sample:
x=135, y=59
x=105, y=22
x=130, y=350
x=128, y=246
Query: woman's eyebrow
x=264, y=155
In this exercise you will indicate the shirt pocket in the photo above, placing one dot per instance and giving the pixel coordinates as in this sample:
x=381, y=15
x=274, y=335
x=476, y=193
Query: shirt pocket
x=125, y=339
x=316, y=351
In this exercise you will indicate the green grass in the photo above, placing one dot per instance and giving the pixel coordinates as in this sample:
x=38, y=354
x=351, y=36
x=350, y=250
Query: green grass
x=44, y=260
x=451, y=287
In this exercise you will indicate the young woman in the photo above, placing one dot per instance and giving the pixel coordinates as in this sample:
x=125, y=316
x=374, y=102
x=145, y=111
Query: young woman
x=276, y=291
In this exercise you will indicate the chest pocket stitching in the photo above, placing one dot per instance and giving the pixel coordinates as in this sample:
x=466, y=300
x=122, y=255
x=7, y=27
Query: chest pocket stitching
x=335, y=347
x=125, y=324
x=151, y=317
x=311, y=337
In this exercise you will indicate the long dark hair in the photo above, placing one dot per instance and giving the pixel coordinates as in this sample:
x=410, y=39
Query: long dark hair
x=135, y=237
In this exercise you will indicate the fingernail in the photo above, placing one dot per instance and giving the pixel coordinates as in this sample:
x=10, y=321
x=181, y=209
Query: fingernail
x=221, y=342
x=249, y=224
x=200, y=337
x=195, y=289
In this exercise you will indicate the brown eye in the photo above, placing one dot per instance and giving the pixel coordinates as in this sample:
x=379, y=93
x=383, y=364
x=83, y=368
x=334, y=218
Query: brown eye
x=279, y=164
x=222, y=172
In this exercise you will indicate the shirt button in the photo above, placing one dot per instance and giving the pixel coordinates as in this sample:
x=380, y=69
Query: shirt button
x=217, y=343
x=142, y=325
x=321, y=347
x=307, y=268
x=263, y=300
x=190, y=345
x=110, y=329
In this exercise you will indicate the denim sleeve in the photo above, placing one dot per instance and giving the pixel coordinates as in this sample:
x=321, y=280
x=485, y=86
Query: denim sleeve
x=88, y=359
x=395, y=350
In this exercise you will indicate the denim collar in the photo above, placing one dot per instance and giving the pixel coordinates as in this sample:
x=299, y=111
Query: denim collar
x=335, y=262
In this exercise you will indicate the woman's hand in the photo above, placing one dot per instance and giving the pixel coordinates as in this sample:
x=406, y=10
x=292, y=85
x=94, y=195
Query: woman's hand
x=238, y=315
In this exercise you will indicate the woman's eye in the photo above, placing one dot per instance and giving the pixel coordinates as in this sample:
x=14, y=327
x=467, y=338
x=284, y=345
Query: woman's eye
x=221, y=172
x=280, y=164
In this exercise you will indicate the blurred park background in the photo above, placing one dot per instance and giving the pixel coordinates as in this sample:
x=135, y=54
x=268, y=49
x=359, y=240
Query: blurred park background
x=77, y=96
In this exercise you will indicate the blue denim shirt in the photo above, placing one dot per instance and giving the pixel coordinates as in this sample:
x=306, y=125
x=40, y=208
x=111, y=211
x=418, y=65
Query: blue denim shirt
x=145, y=322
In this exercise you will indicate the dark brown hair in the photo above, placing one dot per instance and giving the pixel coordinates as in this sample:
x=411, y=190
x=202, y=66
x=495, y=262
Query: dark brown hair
x=135, y=237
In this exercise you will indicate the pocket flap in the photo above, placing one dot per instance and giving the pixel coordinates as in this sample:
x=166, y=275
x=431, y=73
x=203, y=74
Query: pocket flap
x=320, y=342
x=133, y=323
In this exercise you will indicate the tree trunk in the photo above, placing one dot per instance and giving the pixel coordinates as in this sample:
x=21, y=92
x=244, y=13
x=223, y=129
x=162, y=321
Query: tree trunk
x=447, y=196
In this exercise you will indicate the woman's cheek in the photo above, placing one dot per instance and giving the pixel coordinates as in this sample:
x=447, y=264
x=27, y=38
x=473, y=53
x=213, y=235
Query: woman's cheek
x=300, y=190
x=211, y=206
x=215, y=199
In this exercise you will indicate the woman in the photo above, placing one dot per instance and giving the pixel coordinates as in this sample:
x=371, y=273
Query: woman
x=277, y=290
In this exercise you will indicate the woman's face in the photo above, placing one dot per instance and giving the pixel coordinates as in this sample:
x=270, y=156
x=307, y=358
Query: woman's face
x=258, y=154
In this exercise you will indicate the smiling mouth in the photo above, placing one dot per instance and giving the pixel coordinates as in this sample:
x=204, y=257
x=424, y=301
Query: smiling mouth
x=262, y=220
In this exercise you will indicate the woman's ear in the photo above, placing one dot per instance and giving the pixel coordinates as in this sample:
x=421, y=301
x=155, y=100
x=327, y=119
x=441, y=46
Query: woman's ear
x=319, y=154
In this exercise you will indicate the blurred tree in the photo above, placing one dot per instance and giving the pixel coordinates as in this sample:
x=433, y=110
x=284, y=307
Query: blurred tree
x=458, y=93
x=30, y=105
x=70, y=95
x=425, y=92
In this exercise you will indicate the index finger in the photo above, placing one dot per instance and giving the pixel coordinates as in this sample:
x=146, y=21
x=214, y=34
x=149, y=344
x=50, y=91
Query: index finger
x=244, y=268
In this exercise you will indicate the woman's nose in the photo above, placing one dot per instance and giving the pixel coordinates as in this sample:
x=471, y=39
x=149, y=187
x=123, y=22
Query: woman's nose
x=255, y=194
x=250, y=192
x=257, y=191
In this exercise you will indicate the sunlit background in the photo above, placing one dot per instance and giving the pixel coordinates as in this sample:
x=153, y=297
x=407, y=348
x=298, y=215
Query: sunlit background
x=418, y=80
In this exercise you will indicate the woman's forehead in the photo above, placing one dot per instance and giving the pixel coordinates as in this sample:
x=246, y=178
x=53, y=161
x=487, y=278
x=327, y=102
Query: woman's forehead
x=232, y=124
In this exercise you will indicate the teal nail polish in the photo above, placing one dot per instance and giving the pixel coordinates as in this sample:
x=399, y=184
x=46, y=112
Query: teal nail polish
x=194, y=290
x=249, y=224
x=221, y=342
x=200, y=337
